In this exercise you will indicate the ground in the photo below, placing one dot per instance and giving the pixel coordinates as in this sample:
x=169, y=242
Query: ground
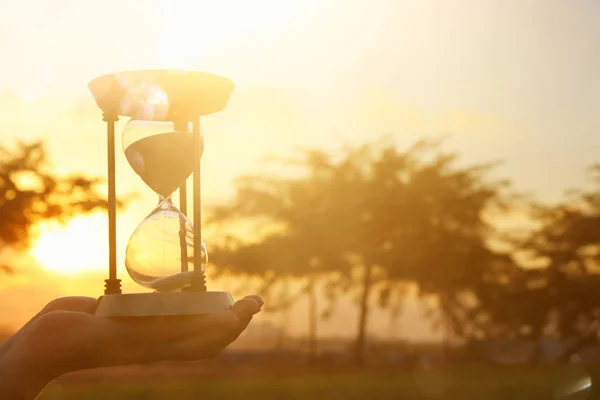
x=250, y=381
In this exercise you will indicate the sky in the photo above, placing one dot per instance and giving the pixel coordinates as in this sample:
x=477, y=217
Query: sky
x=512, y=81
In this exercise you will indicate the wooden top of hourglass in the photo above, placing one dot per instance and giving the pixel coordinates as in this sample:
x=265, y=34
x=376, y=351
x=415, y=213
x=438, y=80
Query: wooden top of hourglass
x=189, y=94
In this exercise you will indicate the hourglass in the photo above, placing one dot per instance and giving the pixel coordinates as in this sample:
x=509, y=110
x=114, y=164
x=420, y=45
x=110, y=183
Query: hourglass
x=161, y=250
x=163, y=145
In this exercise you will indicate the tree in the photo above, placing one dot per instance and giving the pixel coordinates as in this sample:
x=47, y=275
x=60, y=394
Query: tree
x=29, y=193
x=554, y=294
x=422, y=221
x=305, y=248
x=395, y=216
x=558, y=292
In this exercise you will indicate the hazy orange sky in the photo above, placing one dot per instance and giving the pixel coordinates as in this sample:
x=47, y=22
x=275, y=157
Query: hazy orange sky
x=515, y=81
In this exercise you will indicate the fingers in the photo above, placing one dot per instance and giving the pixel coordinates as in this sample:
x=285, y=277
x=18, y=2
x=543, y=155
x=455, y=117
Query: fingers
x=60, y=340
x=256, y=298
x=73, y=303
x=68, y=335
x=216, y=332
x=78, y=304
x=245, y=308
x=212, y=342
x=139, y=340
x=70, y=303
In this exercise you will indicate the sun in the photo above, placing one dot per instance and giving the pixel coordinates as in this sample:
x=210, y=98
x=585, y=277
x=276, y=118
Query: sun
x=191, y=31
x=79, y=246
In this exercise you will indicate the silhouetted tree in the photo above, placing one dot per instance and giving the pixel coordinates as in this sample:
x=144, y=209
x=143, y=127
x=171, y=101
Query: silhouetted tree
x=422, y=220
x=394, y=216
x=557, y=294
x=554, y=295
x=306, y=247
x=30, y=193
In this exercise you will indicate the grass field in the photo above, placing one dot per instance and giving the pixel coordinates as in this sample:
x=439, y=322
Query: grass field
x=469, y=383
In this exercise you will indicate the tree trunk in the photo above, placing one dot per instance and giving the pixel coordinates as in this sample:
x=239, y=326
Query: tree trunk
x=282, y=334
x=359, y=348
x=312, y=321
x=392, y=324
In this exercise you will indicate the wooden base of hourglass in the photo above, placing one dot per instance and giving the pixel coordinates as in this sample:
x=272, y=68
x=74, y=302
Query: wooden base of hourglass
x=162, y=304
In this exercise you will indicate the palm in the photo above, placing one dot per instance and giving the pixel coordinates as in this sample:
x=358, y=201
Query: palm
x=66, y=336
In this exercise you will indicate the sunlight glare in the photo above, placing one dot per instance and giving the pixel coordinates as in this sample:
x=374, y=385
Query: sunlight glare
x=35, y=84
x=190, y=27
x=78, y=247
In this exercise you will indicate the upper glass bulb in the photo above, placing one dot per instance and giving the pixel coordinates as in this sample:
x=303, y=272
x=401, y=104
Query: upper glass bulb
x=160, y=154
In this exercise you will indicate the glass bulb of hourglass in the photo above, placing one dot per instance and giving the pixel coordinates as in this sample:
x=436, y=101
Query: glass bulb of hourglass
x=160, y=252
x=162, y=156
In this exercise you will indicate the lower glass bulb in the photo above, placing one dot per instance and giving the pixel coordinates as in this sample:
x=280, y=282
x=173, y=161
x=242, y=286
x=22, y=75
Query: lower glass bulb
x=160, y=252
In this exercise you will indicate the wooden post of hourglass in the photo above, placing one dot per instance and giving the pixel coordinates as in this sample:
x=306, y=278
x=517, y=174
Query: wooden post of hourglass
x=198, y=283
x=183, y=198
x=182, y=228
x=182, y=126
x=112, y=284
x=183, y=189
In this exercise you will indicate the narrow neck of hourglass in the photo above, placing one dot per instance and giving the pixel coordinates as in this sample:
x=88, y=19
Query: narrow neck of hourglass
x=162, y=199
x=164, y=203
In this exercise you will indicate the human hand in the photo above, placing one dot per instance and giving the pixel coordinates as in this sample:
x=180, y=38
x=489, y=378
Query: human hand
x=66, y=336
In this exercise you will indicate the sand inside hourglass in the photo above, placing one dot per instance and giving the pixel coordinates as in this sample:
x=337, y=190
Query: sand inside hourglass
x=170, y=283
x=163, y=161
